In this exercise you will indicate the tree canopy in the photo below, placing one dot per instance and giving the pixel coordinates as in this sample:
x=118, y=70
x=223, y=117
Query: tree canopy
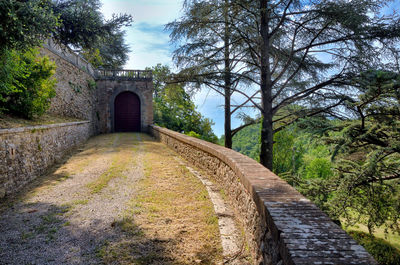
x=174, y=109
x=297, y=52
x=83, y=27
x=78, y=24
x=24, y=24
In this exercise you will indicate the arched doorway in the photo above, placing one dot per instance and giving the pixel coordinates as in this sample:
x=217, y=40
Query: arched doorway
x=127, y=112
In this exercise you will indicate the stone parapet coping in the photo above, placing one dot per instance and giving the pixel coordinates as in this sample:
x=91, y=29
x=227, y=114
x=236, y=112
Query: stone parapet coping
x=295, y=227
x=39, y=127
x=70, y=56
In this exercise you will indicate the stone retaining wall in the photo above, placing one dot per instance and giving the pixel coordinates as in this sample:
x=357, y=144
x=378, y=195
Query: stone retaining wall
x=282, y=226
x=75, y=88
x=27, y=152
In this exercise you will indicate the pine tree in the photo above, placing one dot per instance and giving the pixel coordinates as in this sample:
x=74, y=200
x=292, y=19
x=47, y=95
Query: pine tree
x=211, y=55
x=368, y=151
x=307, y=51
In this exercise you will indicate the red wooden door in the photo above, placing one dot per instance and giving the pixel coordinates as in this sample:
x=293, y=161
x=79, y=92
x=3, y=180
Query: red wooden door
x=127, y=112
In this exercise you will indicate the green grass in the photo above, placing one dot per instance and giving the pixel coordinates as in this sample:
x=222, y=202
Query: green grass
x=9, y=121
x=128, y=226
x=392, y=238
x=121, y=160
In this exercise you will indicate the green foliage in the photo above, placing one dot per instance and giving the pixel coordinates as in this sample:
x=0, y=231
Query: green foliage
x=193, y=134
x=83, y=26
x=26, y=83
x=91, y=84
x=368, y=154
x=247, y=141
x=76, y=87
x=76, y=23
x=382, y=251
x=174, y=109
x=93, y=57
x=319, y=168
x=25, y=24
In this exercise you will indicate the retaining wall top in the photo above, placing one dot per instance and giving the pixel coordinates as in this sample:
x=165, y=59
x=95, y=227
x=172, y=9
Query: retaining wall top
x=39, y=127
x=304, y=233
x=67, y=54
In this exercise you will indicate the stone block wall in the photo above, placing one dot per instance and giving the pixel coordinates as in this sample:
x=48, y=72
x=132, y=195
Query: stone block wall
x=75, y=93
x=282, y=226
x=28, y=152
x=82, y=94
x=107, y=90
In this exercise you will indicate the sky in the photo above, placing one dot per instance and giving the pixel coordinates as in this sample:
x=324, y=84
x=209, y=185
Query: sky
x=150, y=45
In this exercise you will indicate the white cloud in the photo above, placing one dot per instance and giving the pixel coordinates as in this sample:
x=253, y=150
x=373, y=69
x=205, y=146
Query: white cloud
x=146, y=38
x=150, y=45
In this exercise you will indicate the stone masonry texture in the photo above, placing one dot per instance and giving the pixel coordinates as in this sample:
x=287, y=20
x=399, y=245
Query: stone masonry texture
x=81, y=94
x=107, y=90
x=75, y=97
x=281, y=226
x=27, y=152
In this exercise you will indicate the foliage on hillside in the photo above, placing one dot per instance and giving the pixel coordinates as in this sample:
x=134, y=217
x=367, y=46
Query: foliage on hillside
x=382, y=251
x=350, y=167
x=174, y=109
x=26, y=83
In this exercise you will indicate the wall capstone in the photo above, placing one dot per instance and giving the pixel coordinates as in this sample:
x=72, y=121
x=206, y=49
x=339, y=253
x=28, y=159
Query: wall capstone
x=282, y=226
x=27, y=152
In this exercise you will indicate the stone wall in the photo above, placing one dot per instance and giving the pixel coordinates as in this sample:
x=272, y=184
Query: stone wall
x=27, y=152
x=282, y=226
x=75, y=89
x=107, y=90
x=83, y=94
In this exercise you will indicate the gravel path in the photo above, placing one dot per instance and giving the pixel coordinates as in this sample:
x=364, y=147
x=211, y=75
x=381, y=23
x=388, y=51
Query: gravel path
x=64, y=221
x=121, y=199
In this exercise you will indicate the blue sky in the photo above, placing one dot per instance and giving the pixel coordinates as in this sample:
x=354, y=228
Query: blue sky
x=150, y=45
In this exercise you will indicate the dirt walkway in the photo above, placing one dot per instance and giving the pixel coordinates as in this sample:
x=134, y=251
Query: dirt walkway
x=123, y=199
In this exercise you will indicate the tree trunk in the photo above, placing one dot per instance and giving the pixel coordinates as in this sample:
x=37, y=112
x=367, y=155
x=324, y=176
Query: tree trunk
x=267, y=132
x=227, y=80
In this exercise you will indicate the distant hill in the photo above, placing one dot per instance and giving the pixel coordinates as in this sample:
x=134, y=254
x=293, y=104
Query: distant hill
x=247, y=141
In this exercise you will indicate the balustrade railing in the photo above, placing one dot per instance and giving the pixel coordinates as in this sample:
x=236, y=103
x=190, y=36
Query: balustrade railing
x=123, y=74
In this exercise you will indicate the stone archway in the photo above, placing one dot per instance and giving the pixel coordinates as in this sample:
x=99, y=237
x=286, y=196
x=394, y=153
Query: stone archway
x=127, y=112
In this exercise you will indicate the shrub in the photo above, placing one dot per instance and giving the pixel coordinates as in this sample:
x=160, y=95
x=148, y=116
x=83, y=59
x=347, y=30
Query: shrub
x=193, y=134
x=26, y=83
x=319, y=168
x=381, y=250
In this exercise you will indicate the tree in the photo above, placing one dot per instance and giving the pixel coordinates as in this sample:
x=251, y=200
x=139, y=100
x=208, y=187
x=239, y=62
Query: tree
x=174, y=109
x=78, y=24
x=368, y=150
x=25, y=24
x=211, y=54
x=83, y=27
x=26, y=85
x=306, y=51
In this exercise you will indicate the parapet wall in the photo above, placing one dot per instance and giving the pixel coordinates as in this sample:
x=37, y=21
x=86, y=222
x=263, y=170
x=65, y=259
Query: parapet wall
x=282, y=226
x=70, y=56
x=27, y=152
